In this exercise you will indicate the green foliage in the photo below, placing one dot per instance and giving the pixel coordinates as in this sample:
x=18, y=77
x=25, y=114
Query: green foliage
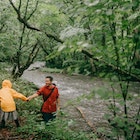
x=108, y=29
x=32, y=125
x=55, y=130
x=122, y=120
x=51, y=70
x=104, y=29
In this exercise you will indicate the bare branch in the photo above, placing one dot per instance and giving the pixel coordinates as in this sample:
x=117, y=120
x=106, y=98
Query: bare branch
x=118, y=69
x=19, y=5
x=1, y=28
x=31, y=56
x=54, y=37
x=26, y=9
x=43, y=48
x=33, y=11
x=17, y=10
x=24, y=21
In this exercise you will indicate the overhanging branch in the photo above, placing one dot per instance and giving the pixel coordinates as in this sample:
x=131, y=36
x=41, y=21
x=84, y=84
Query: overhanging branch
x=33, y=11
x=1, y=28
x=25, y=21
x=54, y=37
x=118, y=69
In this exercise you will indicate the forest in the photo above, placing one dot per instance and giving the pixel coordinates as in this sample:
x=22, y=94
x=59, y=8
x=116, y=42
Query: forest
x=91, y=39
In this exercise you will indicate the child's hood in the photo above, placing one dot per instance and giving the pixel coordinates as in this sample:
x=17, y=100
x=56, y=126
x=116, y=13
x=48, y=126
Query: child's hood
x=7, y=83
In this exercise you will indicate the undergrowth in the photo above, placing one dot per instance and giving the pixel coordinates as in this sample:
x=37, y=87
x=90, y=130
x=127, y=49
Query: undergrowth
x=32, y=125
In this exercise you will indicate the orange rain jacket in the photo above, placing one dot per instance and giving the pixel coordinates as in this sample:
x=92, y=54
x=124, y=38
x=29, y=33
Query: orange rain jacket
x=7, y=95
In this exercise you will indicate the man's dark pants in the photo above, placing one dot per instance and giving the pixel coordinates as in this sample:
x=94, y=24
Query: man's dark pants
x=48, y=116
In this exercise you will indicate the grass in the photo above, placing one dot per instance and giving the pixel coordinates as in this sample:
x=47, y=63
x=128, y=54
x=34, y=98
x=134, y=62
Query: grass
x=51, y=70
x=29, y=115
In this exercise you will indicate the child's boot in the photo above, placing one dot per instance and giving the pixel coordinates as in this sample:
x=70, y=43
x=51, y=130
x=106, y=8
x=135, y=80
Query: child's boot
x=3, y=124
x=17, y=123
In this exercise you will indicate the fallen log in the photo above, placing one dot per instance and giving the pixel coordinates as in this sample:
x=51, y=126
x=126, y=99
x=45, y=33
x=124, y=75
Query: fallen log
x=101, y=136
x=88, y=122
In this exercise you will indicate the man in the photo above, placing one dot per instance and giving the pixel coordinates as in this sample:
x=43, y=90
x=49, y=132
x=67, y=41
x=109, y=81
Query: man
x=50, y=97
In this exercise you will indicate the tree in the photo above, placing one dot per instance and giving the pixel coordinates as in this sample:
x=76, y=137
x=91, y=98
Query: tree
x=112, y=41
x=25, y=14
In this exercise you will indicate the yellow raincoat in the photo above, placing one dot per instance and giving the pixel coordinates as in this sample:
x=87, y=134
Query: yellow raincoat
x=7, y=95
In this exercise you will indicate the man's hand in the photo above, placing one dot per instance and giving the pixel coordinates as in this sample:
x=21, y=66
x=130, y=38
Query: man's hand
x=32, y=96
x=58, y=108
x=29, y=98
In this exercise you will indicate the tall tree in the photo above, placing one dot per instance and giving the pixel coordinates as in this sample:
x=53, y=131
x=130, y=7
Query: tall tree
x=111, y=39
x=26, y=16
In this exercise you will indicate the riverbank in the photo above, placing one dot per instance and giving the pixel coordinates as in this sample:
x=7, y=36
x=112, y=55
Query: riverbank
x=84, y=102
x=72, y=90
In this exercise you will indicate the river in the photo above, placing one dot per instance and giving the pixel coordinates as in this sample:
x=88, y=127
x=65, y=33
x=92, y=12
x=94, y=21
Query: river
x=71, y=89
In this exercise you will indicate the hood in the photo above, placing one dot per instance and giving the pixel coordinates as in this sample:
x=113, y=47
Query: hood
x=7, y=83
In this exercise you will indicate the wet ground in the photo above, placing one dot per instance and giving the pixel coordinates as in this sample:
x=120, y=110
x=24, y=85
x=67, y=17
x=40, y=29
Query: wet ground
x=83, y=114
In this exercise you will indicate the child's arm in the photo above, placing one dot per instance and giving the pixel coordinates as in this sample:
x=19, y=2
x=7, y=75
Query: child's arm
x=15, y=94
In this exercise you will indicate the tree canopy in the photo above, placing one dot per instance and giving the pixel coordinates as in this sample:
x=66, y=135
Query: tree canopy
x=89, y=37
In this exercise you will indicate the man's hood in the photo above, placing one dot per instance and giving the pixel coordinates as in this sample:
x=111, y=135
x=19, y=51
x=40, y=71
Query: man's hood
x=7, y=83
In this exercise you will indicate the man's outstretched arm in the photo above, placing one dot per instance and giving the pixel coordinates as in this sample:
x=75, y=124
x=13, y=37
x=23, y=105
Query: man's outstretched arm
x=33, y=96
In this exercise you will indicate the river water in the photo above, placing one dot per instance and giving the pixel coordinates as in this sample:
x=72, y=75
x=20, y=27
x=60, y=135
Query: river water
x=71, y=89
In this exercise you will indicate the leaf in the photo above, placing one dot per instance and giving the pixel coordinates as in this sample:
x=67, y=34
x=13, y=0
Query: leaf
x=71, y=31
x=134, y=16
x=88, y=3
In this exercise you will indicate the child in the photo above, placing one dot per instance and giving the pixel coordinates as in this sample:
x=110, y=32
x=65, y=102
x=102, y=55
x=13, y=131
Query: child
x=7, y=104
